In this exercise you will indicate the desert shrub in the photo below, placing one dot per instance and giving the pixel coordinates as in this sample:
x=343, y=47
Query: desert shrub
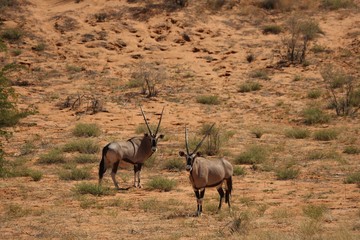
x=142, y=128
x=314, y=94
x=52, y=157
x=316, y=155
x=250, y=57
x=85, y=158
x=353, y=178
x=147, y=76
x=239, y=171
x=161, y=183
x=319, y=49
x=86, y=130
x=352, y=150
x=297, y=133
x=249, y=86
x=325, y=134
x=208, y=99
x=337, y=4
x=343, y=91
x=35, y=175
x=314, y=115
x=93, y=189
x=82, y=146
x=301, y=32
x=315, y=212
x=75, y=174
x=39, y=47
x=175, y=164
x=259, y=74
x=74, y=69
x=12, y=34
x=286, y=173
x=216, y=139
x=254, y=154
x=258, y=132
x=273, y=29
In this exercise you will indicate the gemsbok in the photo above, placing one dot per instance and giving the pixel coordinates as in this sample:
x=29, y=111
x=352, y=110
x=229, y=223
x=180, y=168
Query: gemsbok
x=134, y=151
x=206, y=173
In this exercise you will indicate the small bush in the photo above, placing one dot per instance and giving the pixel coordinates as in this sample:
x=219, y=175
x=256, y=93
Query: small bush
x=82, y=146
x=16, y=52
x=74, y=69
x=35, y=175
x=337, y=4
x=259, y=74
x=297, y=133
x=314, y=94
x=258, y=132
x=93, y=189
x=314, y=115
x=208, y=99
x=249, y=86
x=250, y=57
x=287, y=173
x=325, y=135
x=12, y=34
x=75, y=174
x=175, y=165
x=352, y=150
x=254, y=154
x=316, y=155
x=39, y=47
x=216, y=139
x=86, y=130
x=53, y=157
x=315, y=212
x=353, y=178
x=239, y=171
x=274, y=29
x=161, y=183
x=85, y=158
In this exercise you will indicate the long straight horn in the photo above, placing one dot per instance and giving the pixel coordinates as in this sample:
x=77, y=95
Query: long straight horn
x=206, y=134
x=157, y=129
x=146, y=122
x=186, y=141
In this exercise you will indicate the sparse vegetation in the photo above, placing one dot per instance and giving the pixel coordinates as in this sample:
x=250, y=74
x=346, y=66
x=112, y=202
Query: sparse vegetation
x=273, y=29
x=314, y=94
x=254, y=154
x=353, y=178
x=39, y=47
x=81, y=145
x=258, y=132
x=326, y=134
x=287, y=173
x=239, y=171
x=315, y=212
x=352, y=150
x=75, y=174
x=249, y=86
x=54, y=156
x=208, y=99
x=337, y=4
x=217, y=138
x=93, y=189
x=175, y=164
x=86, y=130
x=12, y=34
x=297, y=133
x=260, y=74
x=314, y=115
x=161, y=183
x=85, y=158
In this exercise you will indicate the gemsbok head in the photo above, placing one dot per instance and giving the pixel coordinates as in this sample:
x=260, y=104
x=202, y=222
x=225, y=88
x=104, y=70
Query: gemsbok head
x=134, y=151
x=204, y=173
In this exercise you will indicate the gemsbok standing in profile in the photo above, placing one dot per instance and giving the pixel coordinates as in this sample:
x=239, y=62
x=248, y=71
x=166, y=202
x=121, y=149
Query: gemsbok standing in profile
x=206, y=173
x=134, y=151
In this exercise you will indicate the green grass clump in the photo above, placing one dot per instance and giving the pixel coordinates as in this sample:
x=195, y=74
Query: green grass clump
x=260, y=74
x=12, y=34
x=239, y=171
x=85, y=158
x=208, y=99
x=249, y=86
x=254, y=154
x=53, y=157
x=287, y=173
x=337, y=4
x=314, y=115
x=314, y=94
x=297, y=133
x=273, y=29
x=86, y=130
x=75, y=174
x=161, y=183
x=352, y=150
x=315, y=212
x=82, y=146
x=93, y=189
x=353, y=178
x=175, y=165
x=325, y=135
x=35, y=175
x=39, y=47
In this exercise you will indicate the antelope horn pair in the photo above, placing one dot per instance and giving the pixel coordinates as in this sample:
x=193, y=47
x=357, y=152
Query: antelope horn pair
x=147, y=124
x=199, y=144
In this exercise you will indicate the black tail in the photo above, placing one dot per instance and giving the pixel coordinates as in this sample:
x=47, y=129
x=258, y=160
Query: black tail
x=228, y=190
x=102, y=168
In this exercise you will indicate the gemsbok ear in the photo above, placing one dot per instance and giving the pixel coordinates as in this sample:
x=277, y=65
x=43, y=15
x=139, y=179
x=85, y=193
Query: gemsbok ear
x=146, y=134
x=161, y=136
x=198, y=154
x=181, y=154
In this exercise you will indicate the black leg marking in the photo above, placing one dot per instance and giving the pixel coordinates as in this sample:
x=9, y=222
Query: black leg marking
x=228, y=190
x=222, y=194
x=197, y=194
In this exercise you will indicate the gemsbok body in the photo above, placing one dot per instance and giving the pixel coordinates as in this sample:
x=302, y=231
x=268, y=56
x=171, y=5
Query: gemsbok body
x=134, y=151
x=206, y=173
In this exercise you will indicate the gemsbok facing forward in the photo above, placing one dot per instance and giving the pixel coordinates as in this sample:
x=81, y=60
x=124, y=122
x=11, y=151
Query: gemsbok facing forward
x=206, y=173
x=135, y=151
